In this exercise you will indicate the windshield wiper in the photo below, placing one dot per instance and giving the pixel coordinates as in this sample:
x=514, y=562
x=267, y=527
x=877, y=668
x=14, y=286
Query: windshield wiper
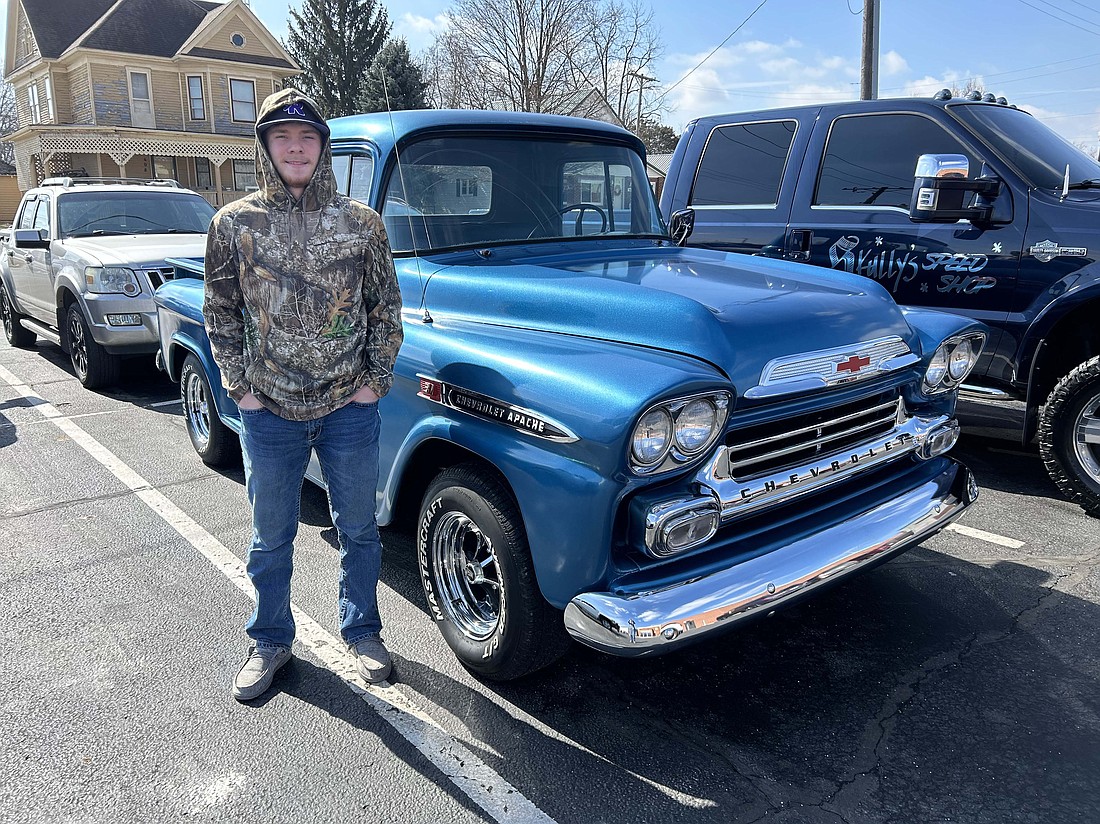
x=98, y=233
x=1084, y=184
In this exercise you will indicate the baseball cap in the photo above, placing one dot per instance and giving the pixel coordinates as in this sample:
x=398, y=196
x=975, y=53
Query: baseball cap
x=298, y=112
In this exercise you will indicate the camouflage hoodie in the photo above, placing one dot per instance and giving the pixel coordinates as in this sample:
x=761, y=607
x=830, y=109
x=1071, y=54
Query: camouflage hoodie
x=301, y=304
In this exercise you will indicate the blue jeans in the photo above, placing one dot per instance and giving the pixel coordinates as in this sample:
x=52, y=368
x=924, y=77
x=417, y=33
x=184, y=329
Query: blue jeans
x=276, y=452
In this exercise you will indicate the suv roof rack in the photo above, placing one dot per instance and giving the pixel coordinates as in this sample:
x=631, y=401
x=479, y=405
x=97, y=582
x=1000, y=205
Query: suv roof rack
x=68, y=182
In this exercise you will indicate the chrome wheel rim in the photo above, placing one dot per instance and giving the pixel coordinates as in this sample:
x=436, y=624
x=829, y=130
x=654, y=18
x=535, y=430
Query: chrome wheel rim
x=78, y=345
x=6, y=311
x=197, y=409
x=468, y=576
x=1086, y=437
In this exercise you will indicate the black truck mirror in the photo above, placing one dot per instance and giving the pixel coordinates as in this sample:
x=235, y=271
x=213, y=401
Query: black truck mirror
x=31, y=238
x=681, y=225
x=941, y=188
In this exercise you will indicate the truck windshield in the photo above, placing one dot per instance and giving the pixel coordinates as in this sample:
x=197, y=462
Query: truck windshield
x=459, y=191
x=81, y=214
x=1036, y=151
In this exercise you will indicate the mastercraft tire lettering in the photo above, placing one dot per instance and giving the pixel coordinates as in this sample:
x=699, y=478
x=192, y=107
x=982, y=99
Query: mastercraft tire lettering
x=478, y=577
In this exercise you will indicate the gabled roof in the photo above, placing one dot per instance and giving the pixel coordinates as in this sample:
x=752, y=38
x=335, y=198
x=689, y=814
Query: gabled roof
x=154, y=27
x=58, y=23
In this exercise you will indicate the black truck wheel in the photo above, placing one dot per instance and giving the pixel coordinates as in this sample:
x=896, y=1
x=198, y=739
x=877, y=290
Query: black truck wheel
x=16, y=334
x=95, y=367
x=476, y=569
x=216, y=443
x=1069, y=435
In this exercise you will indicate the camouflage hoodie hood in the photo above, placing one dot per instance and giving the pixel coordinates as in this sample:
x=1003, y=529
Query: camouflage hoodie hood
x=301, y=302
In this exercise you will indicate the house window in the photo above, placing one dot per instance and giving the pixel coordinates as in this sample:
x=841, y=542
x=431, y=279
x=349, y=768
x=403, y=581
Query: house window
x=242, y=95
x=244, y=175
x=164, y=168
x=141, y=101
x=203, y=178
x=194, y=97
x=237, y=39
x=49, y=100
x=32, y=101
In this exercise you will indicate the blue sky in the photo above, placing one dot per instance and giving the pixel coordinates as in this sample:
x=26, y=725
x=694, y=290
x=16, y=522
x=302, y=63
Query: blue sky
x=1043, y=55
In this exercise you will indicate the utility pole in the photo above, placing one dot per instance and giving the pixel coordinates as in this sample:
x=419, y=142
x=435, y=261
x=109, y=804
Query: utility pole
x=642, y=80
x=868, y=81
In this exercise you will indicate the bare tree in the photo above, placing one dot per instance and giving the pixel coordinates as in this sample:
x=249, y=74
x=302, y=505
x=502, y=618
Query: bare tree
x=513, y=54
x=9, y=120
x=621, y=47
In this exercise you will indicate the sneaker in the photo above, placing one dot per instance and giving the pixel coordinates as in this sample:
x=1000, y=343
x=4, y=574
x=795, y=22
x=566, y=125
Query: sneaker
x=372, y=660
x=258, y=671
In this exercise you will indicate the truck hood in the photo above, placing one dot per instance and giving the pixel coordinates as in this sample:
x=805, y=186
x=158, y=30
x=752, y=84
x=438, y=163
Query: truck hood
x=135, y=250
x=733, y=311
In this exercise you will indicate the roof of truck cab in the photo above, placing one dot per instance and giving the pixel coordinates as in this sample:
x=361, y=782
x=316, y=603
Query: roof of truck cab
x=382, y=128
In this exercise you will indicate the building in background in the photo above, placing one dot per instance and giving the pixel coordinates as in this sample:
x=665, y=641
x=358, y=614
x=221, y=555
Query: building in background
x=141, y=88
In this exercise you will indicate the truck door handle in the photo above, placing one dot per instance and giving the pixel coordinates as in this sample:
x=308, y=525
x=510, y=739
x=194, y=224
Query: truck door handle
x=799, y=246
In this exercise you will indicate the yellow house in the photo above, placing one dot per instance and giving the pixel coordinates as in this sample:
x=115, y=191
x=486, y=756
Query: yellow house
x=141, y=88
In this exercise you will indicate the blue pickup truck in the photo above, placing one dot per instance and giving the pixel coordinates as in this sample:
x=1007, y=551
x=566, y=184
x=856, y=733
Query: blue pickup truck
x=968, y=205
x=599, y=434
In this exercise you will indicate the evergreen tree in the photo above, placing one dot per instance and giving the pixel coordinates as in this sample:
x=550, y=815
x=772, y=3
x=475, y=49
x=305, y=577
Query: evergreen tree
x=404, y=81
x=335, y=42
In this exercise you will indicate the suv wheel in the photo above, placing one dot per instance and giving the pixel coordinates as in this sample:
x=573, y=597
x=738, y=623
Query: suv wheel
x=95, y=367
x=1069, y=435
x=479, y=579
x=215, y=442
x=16, y=334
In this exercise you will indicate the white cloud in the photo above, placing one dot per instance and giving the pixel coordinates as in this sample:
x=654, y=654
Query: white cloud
x=892, y=63
x=418, y=30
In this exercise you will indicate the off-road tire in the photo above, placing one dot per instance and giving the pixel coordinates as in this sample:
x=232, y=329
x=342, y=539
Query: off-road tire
x=1071, y=412
x=95, y=367
x=479, y=580
x=15, y=333
x=216, y=443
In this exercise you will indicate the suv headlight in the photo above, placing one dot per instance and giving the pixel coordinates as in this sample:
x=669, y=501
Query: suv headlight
x=105, y=280
x=674, y=432
x=952, y=362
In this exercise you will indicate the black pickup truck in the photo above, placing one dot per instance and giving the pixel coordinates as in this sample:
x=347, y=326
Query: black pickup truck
x=968, y=205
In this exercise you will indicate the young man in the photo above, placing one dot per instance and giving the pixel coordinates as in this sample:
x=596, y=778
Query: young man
x=304, y=318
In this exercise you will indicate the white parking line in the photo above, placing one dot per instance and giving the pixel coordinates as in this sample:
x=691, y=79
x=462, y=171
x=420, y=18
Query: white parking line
x=176, y=402
x=478, y=782
x=989, y=537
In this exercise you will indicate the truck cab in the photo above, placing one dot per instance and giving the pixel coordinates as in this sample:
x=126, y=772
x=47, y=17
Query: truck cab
x=1014, y=244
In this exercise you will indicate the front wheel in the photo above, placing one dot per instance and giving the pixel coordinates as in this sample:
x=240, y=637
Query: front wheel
x=479, y=580
x=1069, y=435
x=95, y=367
x=16, y=333
x=215, y=442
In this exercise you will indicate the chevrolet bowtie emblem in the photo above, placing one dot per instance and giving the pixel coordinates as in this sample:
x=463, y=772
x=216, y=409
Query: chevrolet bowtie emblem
x=853, y=364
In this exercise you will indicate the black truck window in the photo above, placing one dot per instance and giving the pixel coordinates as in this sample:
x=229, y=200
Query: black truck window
x=742, y=165
x=870, y=159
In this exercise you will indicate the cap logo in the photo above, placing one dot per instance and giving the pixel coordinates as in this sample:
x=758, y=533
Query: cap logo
x=296, y=110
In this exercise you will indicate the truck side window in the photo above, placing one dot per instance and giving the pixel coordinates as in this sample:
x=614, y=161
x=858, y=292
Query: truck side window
x=362, y=171
x=742, y=165
x=26, y=215
x=42, y=216
x=869, y=159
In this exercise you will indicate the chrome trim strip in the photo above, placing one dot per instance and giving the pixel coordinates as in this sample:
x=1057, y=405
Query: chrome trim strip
x=742, y=497
x=985, y=392
x=661, y=620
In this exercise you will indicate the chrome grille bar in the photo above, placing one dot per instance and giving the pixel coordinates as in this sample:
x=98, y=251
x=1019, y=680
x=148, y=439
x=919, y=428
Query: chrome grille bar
x=759, y=449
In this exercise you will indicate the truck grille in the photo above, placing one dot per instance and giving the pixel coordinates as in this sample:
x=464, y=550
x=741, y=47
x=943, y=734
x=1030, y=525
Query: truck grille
x=770, y=447
x=158, y=276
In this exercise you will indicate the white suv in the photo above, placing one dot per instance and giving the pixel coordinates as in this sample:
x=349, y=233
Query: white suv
x=82, y=260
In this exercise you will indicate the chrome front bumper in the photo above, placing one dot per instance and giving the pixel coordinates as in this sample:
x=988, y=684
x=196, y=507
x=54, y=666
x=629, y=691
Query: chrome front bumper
x=649, y=623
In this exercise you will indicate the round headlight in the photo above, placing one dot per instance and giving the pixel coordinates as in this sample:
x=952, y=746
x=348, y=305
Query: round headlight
x=652, y=437
x=936, y=369
x=695, y=425
x=962, y=358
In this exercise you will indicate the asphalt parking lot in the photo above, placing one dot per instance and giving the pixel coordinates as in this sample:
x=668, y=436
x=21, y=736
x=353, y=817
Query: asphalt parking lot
x=959, y=682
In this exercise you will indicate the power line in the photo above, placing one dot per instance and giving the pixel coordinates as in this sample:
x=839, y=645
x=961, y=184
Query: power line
x=709, y=56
